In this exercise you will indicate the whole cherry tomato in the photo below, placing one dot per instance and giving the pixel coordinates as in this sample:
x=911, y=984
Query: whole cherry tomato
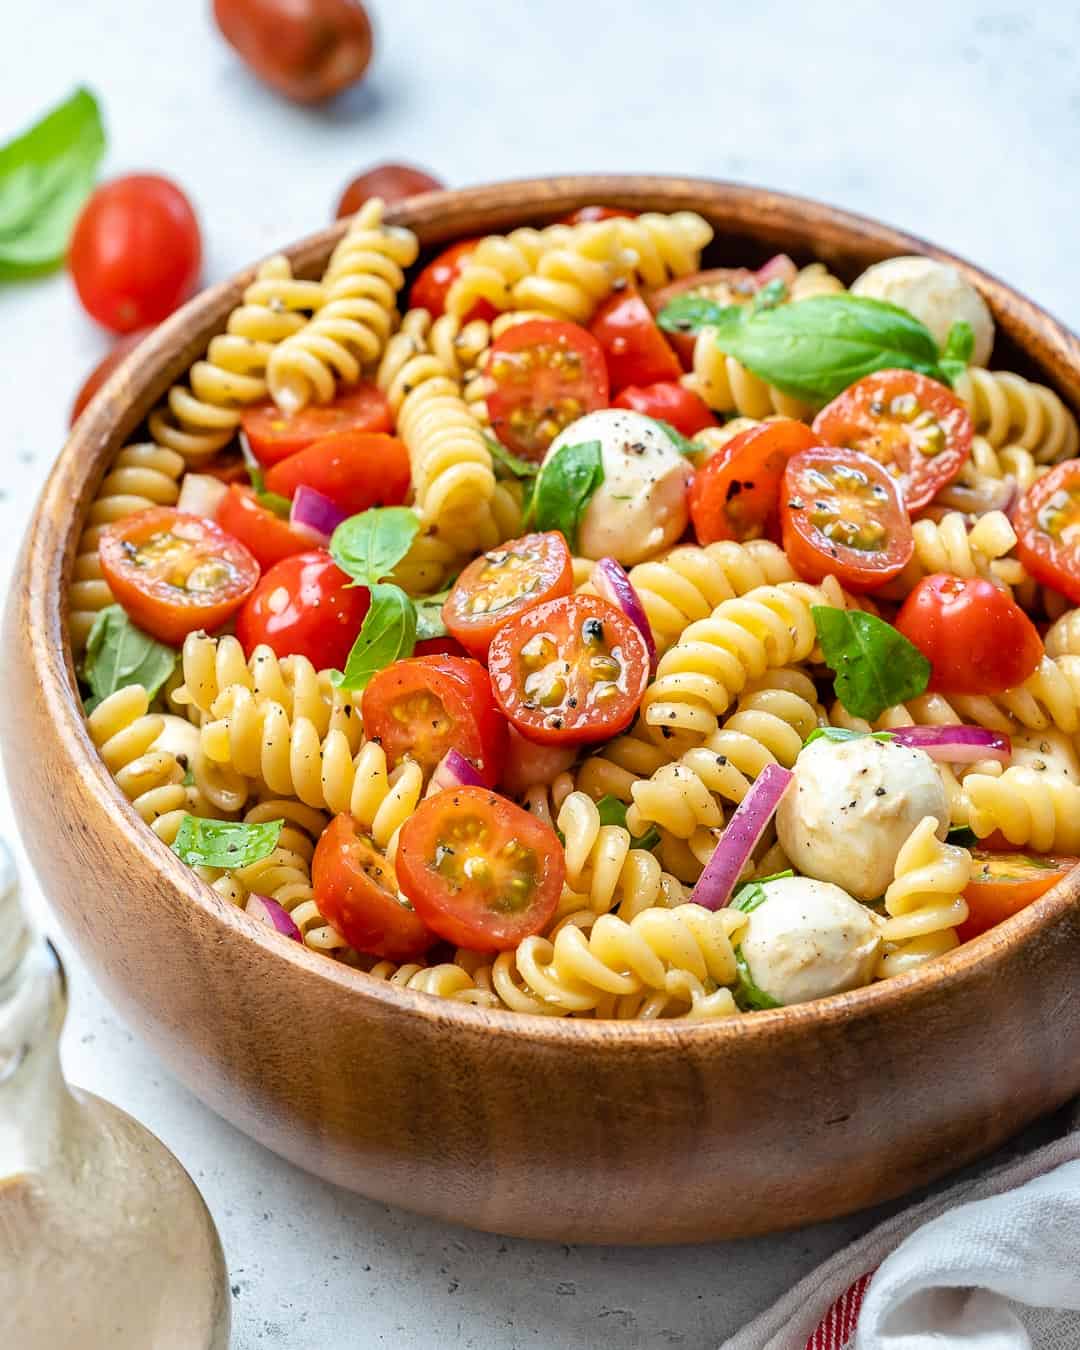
x=635, y=349
x=430, y=288
x=668, y=401
x=135, y=252
x=307, y=50
x=101, y=372
x=976, y=637
x=391, y=182
x=305, y=606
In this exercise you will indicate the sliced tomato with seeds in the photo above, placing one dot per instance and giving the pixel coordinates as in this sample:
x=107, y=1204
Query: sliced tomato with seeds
x=266, y=536
x=504, y=582
x=430, y=289
x=274, y=437
x=480, y=871
x=305, y=605
x=668, y=402
x=1047, y=523
x=1002, y=884
x=356, y=890
x=175, y=573
x=841, y=515
x=635, y=349
x=354, y=469
x=917, y=428
x=426, y=705
x=736, y=493
x=545, y=375
x=570, y=671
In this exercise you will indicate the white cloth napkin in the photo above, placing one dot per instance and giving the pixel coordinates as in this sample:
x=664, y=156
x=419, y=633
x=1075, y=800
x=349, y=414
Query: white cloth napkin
x=991, y=1264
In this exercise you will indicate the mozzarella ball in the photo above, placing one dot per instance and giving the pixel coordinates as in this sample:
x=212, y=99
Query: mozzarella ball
x=641, y=507
x=851, y=808
x=178, y=737
x=808, y=939
x=935, y=293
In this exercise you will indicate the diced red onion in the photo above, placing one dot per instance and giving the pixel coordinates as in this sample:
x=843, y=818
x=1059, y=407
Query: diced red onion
x=315, y=515
x=612, y=584
x=268, y=911
x=956, y=744
x=779, y=268
x=200, y=495
x=740, y=837
x=454, y=771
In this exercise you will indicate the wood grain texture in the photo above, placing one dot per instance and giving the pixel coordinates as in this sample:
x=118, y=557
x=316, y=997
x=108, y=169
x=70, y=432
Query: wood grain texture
x=568, y=1130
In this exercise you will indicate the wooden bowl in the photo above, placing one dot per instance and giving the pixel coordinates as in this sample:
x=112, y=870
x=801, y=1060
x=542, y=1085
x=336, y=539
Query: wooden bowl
x=572, y=1130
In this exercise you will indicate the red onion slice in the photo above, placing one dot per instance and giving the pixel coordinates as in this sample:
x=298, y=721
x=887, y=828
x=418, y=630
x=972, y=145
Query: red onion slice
x=778, y=268
x=268, y=911
x=453, y=771
x=315, y=515
x=612, y=584
x=200, y=495
x=741, y=834
x=956, y=744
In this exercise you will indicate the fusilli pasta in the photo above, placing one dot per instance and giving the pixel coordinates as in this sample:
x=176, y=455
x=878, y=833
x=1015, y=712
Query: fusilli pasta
x=925, y=902
x=1011, y=411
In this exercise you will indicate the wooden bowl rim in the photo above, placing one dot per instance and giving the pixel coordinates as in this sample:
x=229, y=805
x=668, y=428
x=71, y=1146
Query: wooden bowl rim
x=162, y=356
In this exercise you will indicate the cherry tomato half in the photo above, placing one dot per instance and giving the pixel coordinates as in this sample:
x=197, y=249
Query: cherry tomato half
x=307, y=50
x=274, y=437
x=266, y=536
x=135, y=252
x=1048, y=537
x=841, y=514
x=725, y=285
x=431, y=286
x=587, y=215
x=391, y=182
x=423, y=706
x=635, y=349
x=913, y=425
x=357, y=891
x=546, y=374
x=976, y=637
x=305, y=606
x=1002, y=884
x=480, y=871
x=736, y=493
x=174, y=573
x=503, y=583
x=101, y=372
x=668, y=402
x=570, y=671
x=355, y=469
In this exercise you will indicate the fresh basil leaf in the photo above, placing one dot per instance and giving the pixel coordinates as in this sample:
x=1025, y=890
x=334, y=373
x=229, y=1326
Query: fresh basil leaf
x=388, y=634
x=225, y=843
x=46, y=174
x=369, y=546
x=508, y=465
x=118, y=654
x=752, y=893
x=814, y=350
x=683, y=444
x=842, y=734
x=962, y=836
x=691, y=313
x=429, y=619
x=772, y=294
x=748, y=997
x=876, y=667
x=958, y=350
x=565, y=487
x=613, y=812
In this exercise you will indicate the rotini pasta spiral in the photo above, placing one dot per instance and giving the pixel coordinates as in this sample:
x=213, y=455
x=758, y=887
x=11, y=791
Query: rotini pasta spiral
x=717, y=657
x=141, y=476
x=1011, y=411
x=1029, y=807
x=200, y=417
x=579, y=971
x=950, y=546
x=579, y=269
x=356, y=318
x=1063, y=636
x=665, y=246
x=495, y=265
x=925, y=902
x=984, y=481
x=727, y=386
x=447, y=980
x=125, y=733
x=614, y=769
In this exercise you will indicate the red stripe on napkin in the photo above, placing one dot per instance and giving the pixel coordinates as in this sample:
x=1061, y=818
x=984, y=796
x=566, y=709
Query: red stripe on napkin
x=837, y=1327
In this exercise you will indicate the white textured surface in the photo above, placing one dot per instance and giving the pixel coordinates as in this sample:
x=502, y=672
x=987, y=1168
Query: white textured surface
x=960, y=122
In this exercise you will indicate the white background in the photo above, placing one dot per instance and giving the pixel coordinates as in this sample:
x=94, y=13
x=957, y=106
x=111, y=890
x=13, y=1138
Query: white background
x=958, y=121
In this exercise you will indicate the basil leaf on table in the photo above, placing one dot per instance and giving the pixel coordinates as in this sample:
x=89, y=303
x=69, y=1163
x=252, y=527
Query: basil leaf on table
x=370, y=545
x=46, y=174
x=876, y=667
x=565, y=487
x=225, y=843
x=118, y=655
x=388, y=635
x=429, y=619
x=613, y=812
x=958, y=350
